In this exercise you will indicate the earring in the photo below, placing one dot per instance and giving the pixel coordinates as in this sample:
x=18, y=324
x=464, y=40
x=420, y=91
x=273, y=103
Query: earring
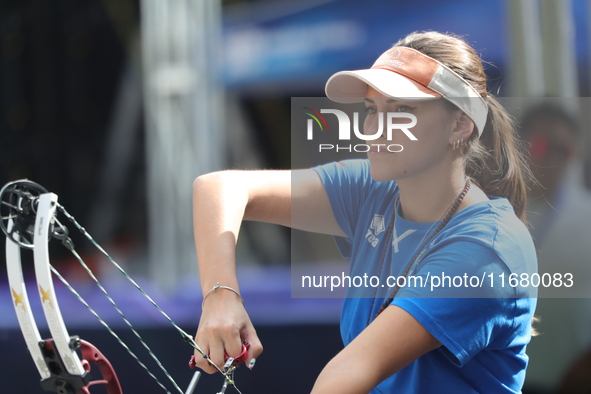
x=457, y=143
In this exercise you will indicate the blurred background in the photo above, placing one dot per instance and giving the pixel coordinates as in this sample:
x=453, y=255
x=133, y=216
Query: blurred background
x=118, y=105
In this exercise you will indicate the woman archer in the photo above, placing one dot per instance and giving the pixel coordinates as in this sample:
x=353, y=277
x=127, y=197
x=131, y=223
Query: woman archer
x=459, y=194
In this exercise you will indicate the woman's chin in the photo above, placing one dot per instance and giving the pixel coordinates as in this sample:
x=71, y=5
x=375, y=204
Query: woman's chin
x=381, y=174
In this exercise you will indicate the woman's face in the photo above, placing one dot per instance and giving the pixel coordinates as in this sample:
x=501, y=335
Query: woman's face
x=432, y=131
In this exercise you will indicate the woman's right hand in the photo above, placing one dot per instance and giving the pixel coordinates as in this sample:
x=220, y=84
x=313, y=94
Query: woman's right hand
x=223, y=326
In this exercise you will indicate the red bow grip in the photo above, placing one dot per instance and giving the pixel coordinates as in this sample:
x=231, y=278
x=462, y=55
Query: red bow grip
x=91, y=355
x=237, y=360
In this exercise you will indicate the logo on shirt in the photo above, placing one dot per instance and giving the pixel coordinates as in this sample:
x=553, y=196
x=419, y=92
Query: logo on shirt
x=377, y=224
x=397, y=239
x=376, y=227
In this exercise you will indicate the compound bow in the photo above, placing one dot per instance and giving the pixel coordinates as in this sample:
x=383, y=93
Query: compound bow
x=29, y=220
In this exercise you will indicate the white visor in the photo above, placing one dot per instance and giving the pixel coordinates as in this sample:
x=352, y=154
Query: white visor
x=407, y=74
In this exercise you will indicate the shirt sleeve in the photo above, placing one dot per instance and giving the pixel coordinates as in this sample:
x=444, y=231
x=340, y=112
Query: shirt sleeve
x=346, y=183
x=463, y=304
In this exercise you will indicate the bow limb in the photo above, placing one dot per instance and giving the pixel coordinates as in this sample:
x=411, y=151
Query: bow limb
x=45, y=218
x=22, y=307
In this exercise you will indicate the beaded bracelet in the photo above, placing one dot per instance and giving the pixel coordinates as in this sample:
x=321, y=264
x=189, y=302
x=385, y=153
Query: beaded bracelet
x=218, y=286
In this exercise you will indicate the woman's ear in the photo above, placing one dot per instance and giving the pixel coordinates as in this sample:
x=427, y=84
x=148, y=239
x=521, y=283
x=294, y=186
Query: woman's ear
x=463, y=127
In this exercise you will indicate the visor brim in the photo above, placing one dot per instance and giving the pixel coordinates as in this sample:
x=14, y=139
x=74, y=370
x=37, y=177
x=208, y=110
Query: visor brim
x=351, y=86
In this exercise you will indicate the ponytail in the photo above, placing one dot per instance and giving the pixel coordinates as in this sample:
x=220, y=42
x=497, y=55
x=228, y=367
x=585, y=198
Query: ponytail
x=497, y=161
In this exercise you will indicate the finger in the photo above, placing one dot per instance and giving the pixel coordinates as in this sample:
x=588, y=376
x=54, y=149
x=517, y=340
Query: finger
x=201, y=362
x=232, y=341
x=216, y=353
x=255, y=349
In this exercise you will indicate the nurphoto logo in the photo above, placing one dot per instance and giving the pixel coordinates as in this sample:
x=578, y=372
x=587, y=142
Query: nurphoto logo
x=344, y=132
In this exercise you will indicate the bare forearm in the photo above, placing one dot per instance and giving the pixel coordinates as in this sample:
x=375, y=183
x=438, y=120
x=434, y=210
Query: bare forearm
x=219, y=202
x=344, y=378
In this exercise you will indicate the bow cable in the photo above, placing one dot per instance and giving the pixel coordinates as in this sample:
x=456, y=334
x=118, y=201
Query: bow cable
x=184, y=334
x=114, y=334
x=228, y=376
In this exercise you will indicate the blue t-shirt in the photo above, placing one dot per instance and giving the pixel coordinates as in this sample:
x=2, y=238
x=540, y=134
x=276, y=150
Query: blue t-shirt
x=482, y=322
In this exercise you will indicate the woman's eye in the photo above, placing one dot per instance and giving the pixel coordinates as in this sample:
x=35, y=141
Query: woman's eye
x=404, y=108
x=371, y=110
